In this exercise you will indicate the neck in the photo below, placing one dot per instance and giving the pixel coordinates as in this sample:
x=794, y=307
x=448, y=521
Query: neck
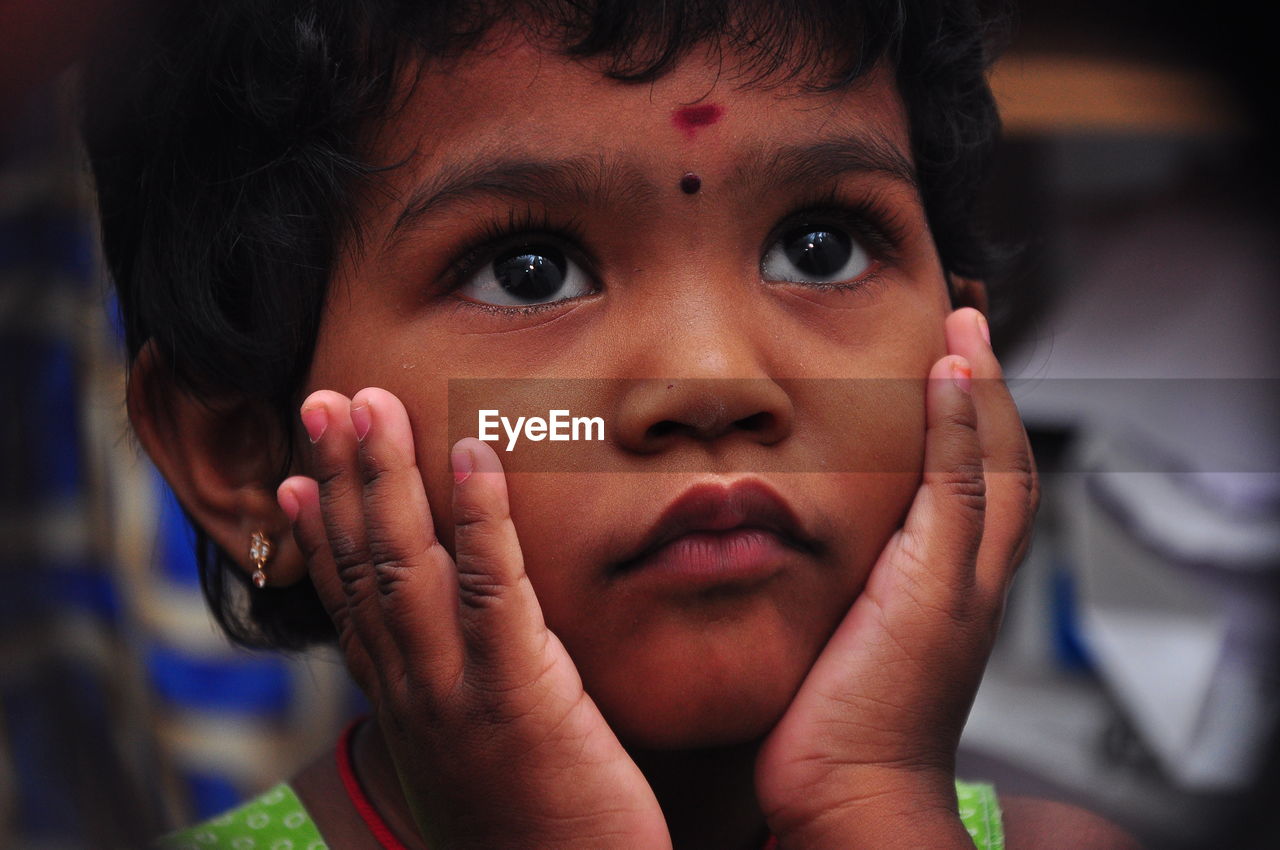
x=707, y=796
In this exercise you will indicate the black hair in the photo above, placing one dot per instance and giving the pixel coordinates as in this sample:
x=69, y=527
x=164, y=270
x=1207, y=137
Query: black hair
x=227, y=143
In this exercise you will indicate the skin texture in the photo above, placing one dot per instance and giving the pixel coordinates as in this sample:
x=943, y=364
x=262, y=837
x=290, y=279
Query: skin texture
x=526, y=693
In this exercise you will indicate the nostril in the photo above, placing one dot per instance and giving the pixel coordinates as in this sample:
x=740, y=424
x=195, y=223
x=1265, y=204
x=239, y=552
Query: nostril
x=655, y=415
x=666, y=427
x=756, y=423
x=761, y=421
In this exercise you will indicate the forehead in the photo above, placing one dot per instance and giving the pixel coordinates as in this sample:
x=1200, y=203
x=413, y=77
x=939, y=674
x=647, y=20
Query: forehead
x=511, y=100
x=513, y=70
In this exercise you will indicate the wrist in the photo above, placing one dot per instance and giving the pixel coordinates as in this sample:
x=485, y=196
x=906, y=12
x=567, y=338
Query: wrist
x=885, y=809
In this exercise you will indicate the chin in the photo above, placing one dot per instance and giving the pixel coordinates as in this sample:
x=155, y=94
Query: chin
x=706, y=727
x=701, y=705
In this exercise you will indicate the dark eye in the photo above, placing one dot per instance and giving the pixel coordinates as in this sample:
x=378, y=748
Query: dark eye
x=815, y=254
x=525, y=274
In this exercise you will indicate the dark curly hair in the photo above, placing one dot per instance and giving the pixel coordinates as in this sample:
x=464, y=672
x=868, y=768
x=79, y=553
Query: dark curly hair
x=225, y=140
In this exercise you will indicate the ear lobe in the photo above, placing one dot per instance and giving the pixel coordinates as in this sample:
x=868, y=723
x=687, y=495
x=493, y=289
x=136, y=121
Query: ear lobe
x=968, y=292
x=222, y=457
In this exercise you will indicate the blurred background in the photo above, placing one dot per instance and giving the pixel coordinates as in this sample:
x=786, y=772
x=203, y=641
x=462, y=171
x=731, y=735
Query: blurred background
x=1137, y=672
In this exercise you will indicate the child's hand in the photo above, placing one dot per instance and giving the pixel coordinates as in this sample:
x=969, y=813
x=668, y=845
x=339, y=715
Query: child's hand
x=865, y=754
x=495, y=742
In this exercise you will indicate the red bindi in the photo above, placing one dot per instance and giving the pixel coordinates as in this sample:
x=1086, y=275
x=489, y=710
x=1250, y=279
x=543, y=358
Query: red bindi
x=690, y=183
x=691, y=119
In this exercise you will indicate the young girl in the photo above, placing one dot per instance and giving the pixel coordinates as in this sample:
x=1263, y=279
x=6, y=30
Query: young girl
x=756, y=611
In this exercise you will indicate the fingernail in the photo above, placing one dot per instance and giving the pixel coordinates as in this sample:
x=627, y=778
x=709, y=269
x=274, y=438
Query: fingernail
x=288, y=504
x=361, y=420
x=961, y=374
x=316, y=421
x=463, y=463
x=983, y=328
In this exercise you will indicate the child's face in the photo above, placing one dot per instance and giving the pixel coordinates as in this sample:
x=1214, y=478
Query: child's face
x=668, y=285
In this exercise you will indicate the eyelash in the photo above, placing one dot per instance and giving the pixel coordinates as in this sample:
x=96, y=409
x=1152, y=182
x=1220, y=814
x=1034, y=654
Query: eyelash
x=869, y=219
x=522, y=225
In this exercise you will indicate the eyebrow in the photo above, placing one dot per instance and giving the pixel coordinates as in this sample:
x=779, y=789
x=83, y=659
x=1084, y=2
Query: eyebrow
x=827, y=159
x=580, y=181
x=591, y=180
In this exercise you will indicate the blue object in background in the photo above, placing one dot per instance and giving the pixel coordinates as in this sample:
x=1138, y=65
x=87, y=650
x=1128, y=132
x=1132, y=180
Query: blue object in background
x=211, y=794
x=1068, y=648
x=241, y=683
x=177, y=558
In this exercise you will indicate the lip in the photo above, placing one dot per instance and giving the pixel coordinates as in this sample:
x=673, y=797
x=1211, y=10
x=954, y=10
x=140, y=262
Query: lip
x=716, y=533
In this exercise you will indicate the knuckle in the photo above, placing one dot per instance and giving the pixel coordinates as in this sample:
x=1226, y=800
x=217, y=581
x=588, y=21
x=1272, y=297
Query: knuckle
x=913, y=550
x=1024, y=482
x=394, y=563
x=1021, y=462
x=1032, y=473
x=349, y=553
x=483, y=591
x=477, y=515
x=1033, y=495
x=962, y=420
x=966, y=486
x=334, y=483
x=1024, y=488
x=357, y=589
x=374, y=467
x=385, y=545
x=372, y=471
x=390, y=575
x=483, y=537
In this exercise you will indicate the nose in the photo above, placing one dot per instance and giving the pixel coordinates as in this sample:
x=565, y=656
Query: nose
x=658, y=413
x=720, y=390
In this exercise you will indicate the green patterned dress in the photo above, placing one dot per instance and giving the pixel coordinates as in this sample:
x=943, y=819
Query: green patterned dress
x=277, y=820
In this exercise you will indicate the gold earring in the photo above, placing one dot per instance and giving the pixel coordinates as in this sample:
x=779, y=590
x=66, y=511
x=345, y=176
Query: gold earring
x=259, y=551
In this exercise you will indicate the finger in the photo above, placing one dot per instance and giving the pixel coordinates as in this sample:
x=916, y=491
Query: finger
x=499, y=613
x=1012, y=484
x=416, y=582
x=299, y=498
x=335, y=467
x=921, y=587
x=932, y=557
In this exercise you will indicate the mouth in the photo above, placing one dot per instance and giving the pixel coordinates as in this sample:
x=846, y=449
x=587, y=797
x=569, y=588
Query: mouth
x=715, y=534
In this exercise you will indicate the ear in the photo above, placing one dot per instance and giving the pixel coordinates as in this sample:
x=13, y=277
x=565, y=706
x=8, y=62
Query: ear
x=222, y=457
x=967, y=292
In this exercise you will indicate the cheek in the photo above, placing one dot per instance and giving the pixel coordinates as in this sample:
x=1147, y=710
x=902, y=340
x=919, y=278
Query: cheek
x=865, y=425
x=887, y=467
